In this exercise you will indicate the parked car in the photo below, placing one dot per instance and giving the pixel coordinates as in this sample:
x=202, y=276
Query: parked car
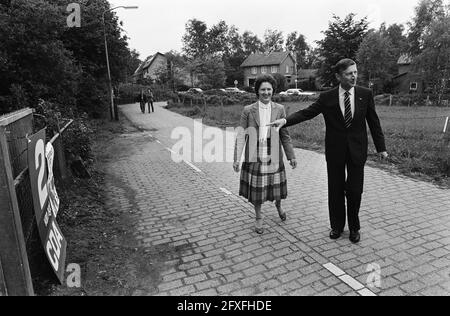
x=297, y=92
x=195, y=91
x=215, y=91
x=234, y=90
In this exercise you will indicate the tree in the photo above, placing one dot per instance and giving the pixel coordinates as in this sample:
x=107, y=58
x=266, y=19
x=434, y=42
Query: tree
x=133, y=62
x=211, y=73
x=296, y=43
x=342, y=40
x=35, y=64
x=45, y=59
x=195, y=39
x=251, y=43
x=434, y=60
x=312, y=59
x=281, y=82
x=427, y=12
x=376, y=56
x=273, y=41
x=218, y=39
x=399, y=41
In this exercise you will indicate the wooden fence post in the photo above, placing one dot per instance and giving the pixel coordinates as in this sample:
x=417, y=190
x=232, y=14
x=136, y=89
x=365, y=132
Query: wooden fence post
x=3, y=291
x=13, y=255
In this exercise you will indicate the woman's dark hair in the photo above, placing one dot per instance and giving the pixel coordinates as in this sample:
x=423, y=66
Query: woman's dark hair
x=342, y=65
x=265, y=78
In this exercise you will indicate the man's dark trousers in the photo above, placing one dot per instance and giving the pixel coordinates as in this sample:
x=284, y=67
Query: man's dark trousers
x=345, y=181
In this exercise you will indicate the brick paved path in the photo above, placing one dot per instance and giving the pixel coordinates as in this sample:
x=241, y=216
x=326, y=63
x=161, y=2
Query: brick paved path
x=193, y=219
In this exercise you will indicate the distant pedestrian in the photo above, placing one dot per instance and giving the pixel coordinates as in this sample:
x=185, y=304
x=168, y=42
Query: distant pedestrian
x=150, y=100
x=142, y=100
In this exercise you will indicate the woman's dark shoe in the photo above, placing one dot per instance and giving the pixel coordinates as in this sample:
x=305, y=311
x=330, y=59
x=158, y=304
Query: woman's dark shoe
x=259, y=229
x=283, y=216
x=281, y=213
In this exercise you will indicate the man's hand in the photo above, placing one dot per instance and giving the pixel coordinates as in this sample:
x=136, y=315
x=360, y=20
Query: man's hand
x=384, y=155
x=293, y=163
x=236, y=167
x=278, y=124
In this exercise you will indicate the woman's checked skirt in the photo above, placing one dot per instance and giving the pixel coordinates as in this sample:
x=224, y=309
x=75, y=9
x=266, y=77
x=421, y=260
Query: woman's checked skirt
x=261, y=181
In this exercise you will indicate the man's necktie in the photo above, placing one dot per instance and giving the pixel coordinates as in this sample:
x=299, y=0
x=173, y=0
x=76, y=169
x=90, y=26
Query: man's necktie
x=348, y=110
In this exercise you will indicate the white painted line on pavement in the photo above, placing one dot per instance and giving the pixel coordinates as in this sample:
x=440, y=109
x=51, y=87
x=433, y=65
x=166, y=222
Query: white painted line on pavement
x=352, y=282
x=333, y=269
x=171, y=150
x=225, y=191
x=186, y=162
x=366, y=292
x=192, y=166
x=158, y=142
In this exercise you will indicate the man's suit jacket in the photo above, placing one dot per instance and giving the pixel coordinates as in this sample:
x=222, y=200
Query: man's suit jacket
x=338, y=138
x=248, y=134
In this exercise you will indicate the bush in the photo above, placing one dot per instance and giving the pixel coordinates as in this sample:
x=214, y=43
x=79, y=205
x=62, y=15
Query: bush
x=281, y=82
x=183, y=87
x=77, y=138
x=195, y=111
x=249, y=89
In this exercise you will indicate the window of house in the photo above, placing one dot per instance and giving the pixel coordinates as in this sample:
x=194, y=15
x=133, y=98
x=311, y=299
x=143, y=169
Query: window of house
x=413, y=86
x=287, y=69
x=263, y=69
x=274, y=69
x=254, y=70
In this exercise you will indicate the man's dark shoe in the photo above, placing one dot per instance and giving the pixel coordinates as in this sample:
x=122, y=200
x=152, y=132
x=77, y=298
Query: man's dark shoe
x=335, y=234
x=355, y=237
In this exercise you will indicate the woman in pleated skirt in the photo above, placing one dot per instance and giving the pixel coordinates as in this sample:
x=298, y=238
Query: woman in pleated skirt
x=263, y=174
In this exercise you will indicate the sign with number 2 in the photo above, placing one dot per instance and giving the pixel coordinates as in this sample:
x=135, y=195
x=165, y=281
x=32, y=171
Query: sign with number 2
x=52, y=239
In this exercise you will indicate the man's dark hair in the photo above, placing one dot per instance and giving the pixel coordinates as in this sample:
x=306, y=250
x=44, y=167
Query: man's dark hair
x=265, y=78
x=342, y=65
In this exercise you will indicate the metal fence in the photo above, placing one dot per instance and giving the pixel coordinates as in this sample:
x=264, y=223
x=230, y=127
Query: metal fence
x=16, y=197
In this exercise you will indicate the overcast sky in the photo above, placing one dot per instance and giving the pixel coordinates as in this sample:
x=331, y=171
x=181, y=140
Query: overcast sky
x=158, y=25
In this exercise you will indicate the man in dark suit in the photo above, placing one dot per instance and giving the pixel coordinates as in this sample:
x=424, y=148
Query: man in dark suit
x=346, y=110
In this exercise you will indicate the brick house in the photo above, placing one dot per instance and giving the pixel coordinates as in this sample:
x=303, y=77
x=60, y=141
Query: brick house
x=277, y=62
x=150, y=68
x=407, y=81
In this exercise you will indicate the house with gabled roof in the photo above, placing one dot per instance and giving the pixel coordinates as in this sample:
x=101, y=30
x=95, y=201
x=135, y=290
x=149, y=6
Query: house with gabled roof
x=407, y=81
x=151, y=67
x=276, y=62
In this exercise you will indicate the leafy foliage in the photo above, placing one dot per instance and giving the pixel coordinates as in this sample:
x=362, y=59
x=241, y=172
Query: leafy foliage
x=376, y=56
x=342, y=40
x=297, y=43
x=273, y=41
x=40, y=58
x=434, y=60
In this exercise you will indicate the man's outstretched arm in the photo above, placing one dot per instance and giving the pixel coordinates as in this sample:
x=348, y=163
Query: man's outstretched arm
x=300, y=116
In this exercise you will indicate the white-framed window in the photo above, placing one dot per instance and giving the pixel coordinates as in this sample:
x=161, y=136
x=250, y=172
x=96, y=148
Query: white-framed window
x=274, y=69
x=254, y=70
x=287, y=69
x=263, y=69
x=413, y=86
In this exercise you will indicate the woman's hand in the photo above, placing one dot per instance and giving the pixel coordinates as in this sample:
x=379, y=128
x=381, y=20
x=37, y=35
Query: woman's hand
x=236, y=167
x=293, y=163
